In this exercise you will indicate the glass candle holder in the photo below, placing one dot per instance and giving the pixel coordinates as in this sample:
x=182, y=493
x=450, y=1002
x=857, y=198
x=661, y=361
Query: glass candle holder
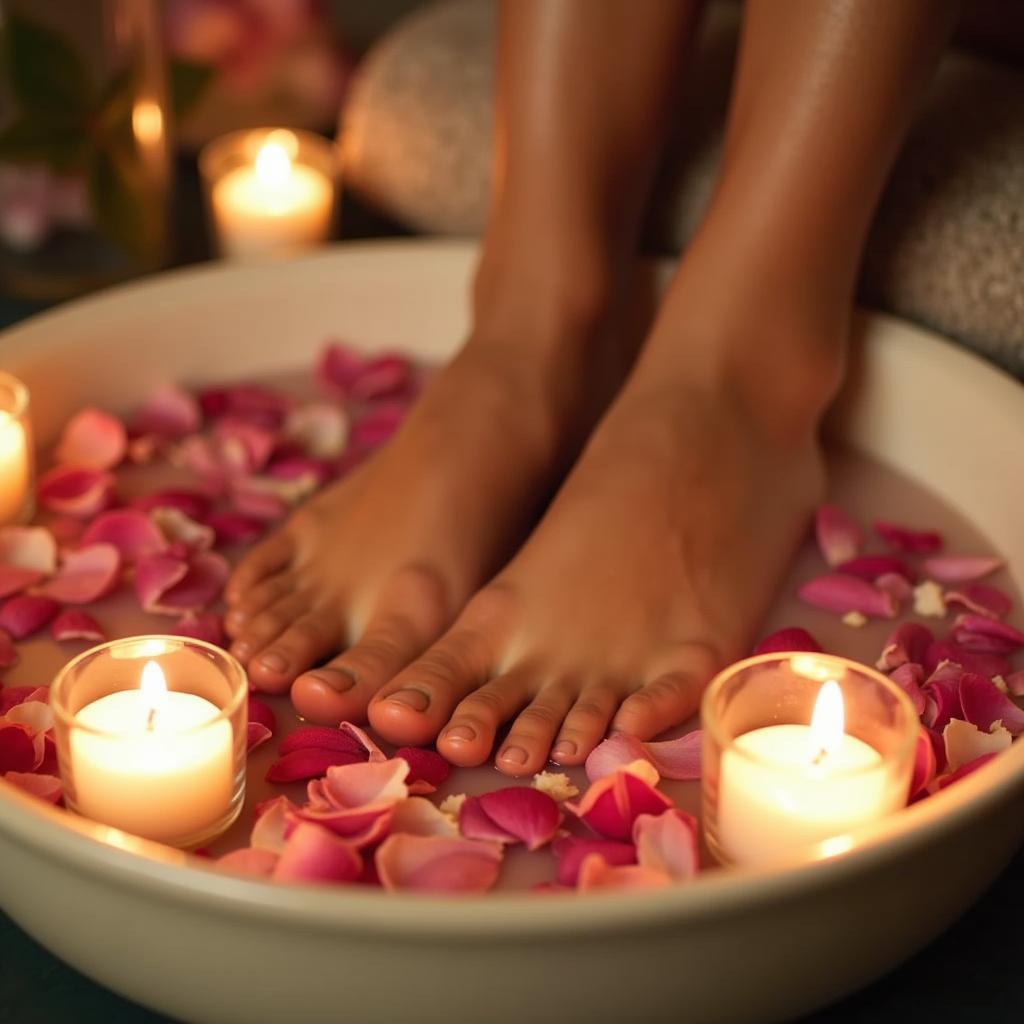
x=270, y=192
x=799, y=749
x=151, y=737
x=17, y=453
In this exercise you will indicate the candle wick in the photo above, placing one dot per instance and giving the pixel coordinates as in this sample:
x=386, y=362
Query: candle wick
x=151, y=720
x=819, y=757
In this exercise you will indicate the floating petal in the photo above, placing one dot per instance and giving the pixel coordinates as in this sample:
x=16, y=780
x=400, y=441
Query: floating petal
x=235, y=528
x=839, y=593
x=256, y=735
x=249, y=861
x=966, y=742
x=169, y=412
x=946, y=650
x=904, y=538
x=908, y=642
x=378, y=425
x=74, y=624
x=76, y=491
x=897, y=585
x=14, y=580
x=596, y=873
x=87, y=574
x=678, y=759
x=28, y=547
x=194, y=504
x=909, y=677
x=131, y=531
x=522, y=812
x=870, y=567
x=308, y=763
x=614, y=753
x=981, y=599
x=46, y=787
x=323, y=737
x=274, y=820
x=92, y=438
x=17, y=749
x=792, y=638
x=419, y=817
x=964, y=770
x=26, y=614
x=437, y=864
x=314, y=854
x=839, y=537
x=612, y=804
x=667, y=843
x=925, y=764
x=984, y=703
x=571, y=851
x=209, y=627
x=427, y=768
x=960, y=568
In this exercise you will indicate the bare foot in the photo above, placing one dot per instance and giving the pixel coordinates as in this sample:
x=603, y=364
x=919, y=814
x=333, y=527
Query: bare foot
x=650, y=570
x=386, y=558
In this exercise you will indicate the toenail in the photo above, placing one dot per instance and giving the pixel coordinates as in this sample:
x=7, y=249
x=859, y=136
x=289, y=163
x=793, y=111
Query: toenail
x=274, y=662
x=340, y=680
x=564, y=749
x=236, y=618
x=513, y=755
x=462, y=733
x=415, y=699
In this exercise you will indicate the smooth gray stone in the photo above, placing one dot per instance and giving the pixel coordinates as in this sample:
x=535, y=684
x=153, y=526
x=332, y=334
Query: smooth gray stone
x=947, y=246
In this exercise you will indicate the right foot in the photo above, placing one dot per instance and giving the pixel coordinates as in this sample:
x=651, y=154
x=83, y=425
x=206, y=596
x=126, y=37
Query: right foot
x=378, y=565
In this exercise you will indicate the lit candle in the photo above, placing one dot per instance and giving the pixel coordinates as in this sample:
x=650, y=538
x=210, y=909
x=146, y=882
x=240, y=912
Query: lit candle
x=151, y=761
x=15, y=452
x=274, y=201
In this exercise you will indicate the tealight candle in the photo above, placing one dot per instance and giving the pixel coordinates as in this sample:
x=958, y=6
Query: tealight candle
x=781, y=772
x=269, y=192
x=16, y=454
x=163, y=758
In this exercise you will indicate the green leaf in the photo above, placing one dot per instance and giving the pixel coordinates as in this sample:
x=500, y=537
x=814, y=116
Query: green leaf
x=127, y=208
x=59, y=144
x=47, y=76
x=188, y=82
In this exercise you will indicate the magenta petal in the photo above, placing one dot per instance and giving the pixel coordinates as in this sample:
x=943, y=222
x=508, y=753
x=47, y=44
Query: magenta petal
x=984, y=703
x=169, y=412
x=667, y=843
x=337, y=368
x=529, y=815
x=870, y=567
x=612, y=804
x=908, y=677
x=17, y=748
x=678, y=759
x=925, y=764
x=132, y=532
x=262, y=713
x=28, y=547
x=156, y=574
x=614, y=753
x=87, y=575
x=946, y=650
x=839, y=537
x=792, y=638
x=323, y=737
x=946, y=697
x=256, y=735
x=250, y=861
x=437, y=864
x=896, y=585
x=26, y=614
x=194, y=504
x=572, y=850
x=308, y=763
x=253, y=501
x=384, y=376
x=1015, y=683
x=263, y=406
x=46, y=787
x=178, y=528
x=596, y=873
x=92, y=438
x=907, y=642
x=14, y=580
x=964, y=769
x=960, y=568
x=476, y=823
x=984, y=625
x=76, y=491
x=209, y=627
x=903, y=538
x=244, y=446
x=839, y=593
x=981, y=599
x=427, y=768
x=12, y=696
x=314, y=854
x=235, y=528
x=204, y=579
x=74, y=624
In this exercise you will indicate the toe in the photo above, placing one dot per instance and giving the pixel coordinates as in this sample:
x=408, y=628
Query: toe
x=669, y=700
x=258, y=598
x=308, y=640
x=412, y=708
x=268, y=626
x=266, y=557
x=586, y=723
x=528, y=744
x=468, y=738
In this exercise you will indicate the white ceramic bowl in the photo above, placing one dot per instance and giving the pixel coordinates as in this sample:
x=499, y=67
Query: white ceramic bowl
x=732, y=946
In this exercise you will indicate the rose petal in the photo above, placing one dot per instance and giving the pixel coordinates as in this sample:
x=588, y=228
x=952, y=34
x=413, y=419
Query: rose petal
x=984, y=703
x=169, y=412
x=66, y=530
x=249, y=861
x=170, y=586
x=14, y=580
x=596, y=873
x=908, y=642
x=571, y=851
x=384, y=376
x=960, y=568
x=235, y=528
x=437, y=864
x=678, y=759
x=262, y=713
x=46, y=787
x=308, y=763
x=896, y=585
x=965, y=742
x=870, y=567
x=1015, y=683
x=792, y=638
x=76, y=491
x=12, y=696
x=984, y=664
x=378, y=425
x=194, y=504
x=944, y=694
x=838, y=593
x=92, y=438
x=17, y=750
x=427, y=768
x=321, y=737
x=321, y=429
x=612, y=804
x=314, y=854
x=87, y=575
x=984, y=625
x=528, y=815
x=337, y=368
x=839, y=537
x=274, y=820
x=244, y=447
x=373, y=752
x=132, y=532
x=908, y=677
x=981, y=599
x=252, y=499
x=419, y=817
x=964, y=770
x=28, y=547
x=74, y=624
x=256, y=735
x=476, y=823
x=177, y=527
x=903, y=538
x=26, y=614
x=984, y=645
x=209, y=627
x=925, y=764
x=252, y=402
x=614, y=753
x=667, y=843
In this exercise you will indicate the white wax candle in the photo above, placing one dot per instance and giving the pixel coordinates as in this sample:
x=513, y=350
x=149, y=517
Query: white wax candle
x=271, y=206
x=157, y=766
x=14, y=469
x=778, y=791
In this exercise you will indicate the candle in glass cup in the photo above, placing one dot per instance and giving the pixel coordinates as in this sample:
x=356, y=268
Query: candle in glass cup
x=16, y=454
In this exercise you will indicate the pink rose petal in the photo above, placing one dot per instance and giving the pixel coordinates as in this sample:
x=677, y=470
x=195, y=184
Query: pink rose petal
x=87, y=575
x=908, y=677
x=373, y=752
x=305, y=474
x=476, y=823
x=946, y=650
x=179, y=528
x=45, y=787
x=323, y=737
x=984, y=703
x=964, y=770
x=132, y=532
x=667, y=843
x=170, y=586
x=419, y=817
x=925, y=764
x=896, y=585
x=28, y=547
x=678, y=759
x=235, y=528
x=308, y=763
x=839, y=537
x=14, y=580
x=571, y=851
x=254, y=501
x=209, y=627
x=262, y=713
x=965, y=742
x=437, y=864
x=275, y=820
x=522, y=812
x=614, y=753
x=870, y=567
x=244, y=446
x=252, y=402
x=908, y=642
x=249, y=861
x=612, y=804
x=17, y=749
x=384, y=376
x=842, y=594
x=943, y=702
x=960, y=568
x=74, y=624
x=903, y=538
x=337, y=368
x=596, y=873
x=984, y=645
x=256, y=735
x=92, y=438
x=194, y=504
x=66, y=530
x=315, y=854
x=169, y=412
x=378, y=425
x=76, y=491
x=792, y=638
x=427, y=768
x=12, y=696
x=981, y=599
x=26, y=614
x=984, y=625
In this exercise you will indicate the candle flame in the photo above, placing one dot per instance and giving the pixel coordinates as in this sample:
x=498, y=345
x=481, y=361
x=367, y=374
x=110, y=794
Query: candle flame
x=827, y=721
x=274, y=158
x=154, y=690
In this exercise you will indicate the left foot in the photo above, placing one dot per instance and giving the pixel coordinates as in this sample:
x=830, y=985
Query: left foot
x=651, y=569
